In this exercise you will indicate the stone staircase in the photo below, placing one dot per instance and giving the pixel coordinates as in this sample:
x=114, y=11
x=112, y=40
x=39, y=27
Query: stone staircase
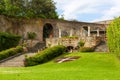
x=17, y=61
x=102, y=47
x=38, y=46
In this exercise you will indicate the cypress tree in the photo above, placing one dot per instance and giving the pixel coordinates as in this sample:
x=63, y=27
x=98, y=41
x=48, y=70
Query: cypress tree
x=113, y=36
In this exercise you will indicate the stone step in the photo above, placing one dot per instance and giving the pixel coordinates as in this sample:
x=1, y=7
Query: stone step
x=102, y=47
x=37, y=47
x=16, y=61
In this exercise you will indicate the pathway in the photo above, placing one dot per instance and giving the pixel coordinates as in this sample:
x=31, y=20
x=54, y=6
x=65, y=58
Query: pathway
x=16, y=61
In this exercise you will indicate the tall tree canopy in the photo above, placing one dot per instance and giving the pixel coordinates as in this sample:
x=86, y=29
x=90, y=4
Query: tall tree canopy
x=113, y=36
x=28, y=8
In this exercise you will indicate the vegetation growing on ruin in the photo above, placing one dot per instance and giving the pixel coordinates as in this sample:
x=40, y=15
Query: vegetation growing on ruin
x=81, y=43
x=31, y=36
x=86, y=49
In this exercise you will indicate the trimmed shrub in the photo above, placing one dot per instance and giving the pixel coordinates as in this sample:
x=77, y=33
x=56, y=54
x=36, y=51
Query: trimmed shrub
x=8, y=40
x=10, y=52
x=86, y=49
x=113, y=36
x=31, y=35
x=81, y=44
x=45, y=55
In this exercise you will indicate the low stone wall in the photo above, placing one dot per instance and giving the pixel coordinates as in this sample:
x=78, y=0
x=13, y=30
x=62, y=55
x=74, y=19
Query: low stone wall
x=92, y=41
x=62, y=41
x=89, y=41
x=97, y=42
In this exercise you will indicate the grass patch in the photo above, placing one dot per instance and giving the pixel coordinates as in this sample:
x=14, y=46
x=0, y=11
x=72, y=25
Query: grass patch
x=91, y=66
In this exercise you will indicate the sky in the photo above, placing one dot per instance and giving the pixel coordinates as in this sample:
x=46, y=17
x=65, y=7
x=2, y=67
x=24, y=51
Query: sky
x=88, y=10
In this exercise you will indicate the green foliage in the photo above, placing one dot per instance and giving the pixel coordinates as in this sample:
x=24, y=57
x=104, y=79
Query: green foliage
x=86, y=49
x=81, y=44
x=28, y=8
x=90, y=66
x=10, y=52
x=62, y=17
x=45, y=55
x=31, y=35
x=113, y=33
x=8, y=40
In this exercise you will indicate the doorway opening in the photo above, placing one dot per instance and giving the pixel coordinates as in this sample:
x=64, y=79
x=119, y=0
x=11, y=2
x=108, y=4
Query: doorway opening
x=47, y=31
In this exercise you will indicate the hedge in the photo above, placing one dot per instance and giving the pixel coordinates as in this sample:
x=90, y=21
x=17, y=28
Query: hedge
x=81, y=44
x=10, y=52
x=8, y=40
x=45, y=55
x=86, y=49
x=113, y=36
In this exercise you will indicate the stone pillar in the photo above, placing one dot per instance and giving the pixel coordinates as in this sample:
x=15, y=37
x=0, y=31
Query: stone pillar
x=88, y=30
x=81, y=32
x=59, y=33
x=71, y=32
x=98, y=33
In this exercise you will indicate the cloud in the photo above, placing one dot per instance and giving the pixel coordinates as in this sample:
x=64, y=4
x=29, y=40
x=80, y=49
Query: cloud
x=74, y=9
x=112, y=12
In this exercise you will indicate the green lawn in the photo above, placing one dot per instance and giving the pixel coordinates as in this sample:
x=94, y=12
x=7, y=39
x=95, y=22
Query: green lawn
x=91, y=66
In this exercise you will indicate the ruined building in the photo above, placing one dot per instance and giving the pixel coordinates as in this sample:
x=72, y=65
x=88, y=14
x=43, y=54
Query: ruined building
x=50, y=31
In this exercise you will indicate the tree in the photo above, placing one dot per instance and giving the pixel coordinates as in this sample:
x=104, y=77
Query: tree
x=113, y=33
x=44, y=8
x=62, y=17
x=1, y=6
x=28, y=8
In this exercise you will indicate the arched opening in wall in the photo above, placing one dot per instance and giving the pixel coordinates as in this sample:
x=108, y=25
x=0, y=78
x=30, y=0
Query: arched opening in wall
x=85, y=30
x=69, y=48
x=47, y=31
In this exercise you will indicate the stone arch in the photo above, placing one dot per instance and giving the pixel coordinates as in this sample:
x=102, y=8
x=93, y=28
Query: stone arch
x=47, y=31
x=69, y=48
x=85, y=30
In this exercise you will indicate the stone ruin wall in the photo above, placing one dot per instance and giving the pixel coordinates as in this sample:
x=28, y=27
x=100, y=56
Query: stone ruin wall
x=76, y=27
x=21, y=27
x=36, y=25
